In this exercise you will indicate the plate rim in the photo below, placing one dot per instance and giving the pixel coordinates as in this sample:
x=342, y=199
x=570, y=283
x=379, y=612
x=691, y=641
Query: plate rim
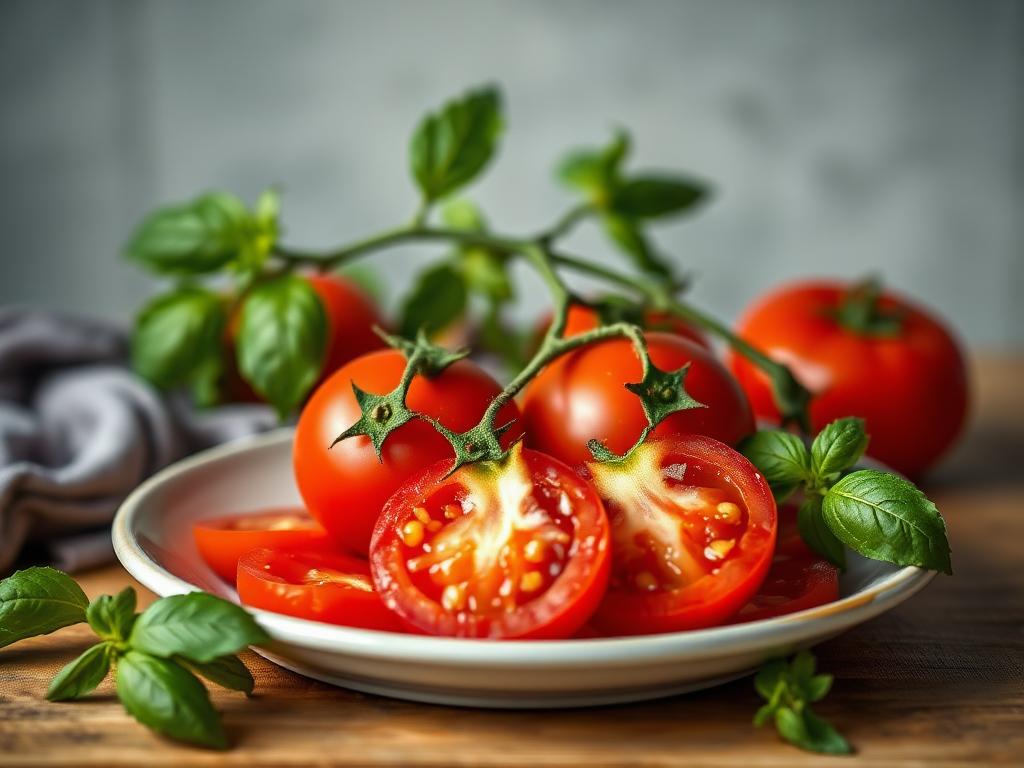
x=764, y=634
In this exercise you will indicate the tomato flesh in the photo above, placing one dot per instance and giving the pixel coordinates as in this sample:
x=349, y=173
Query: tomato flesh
x=316, y=585
x=693, y=528
x=222, y=541
x=517, y=549
x=797, y=580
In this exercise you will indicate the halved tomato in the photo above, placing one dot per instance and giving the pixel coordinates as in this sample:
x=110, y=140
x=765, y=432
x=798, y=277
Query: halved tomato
x=798, y=578
x=510, y=549
x=693, y=532
x=221, y=541
x=316, y=585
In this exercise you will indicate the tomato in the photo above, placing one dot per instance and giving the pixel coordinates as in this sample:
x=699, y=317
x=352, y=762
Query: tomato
x=798, y=578
x=351, y=316
x=910, y=385
x=583, y=396
x=582, y=319
x=693, y=532
x=345, y=487
x=517, y=549
x=316, y=585
x=221, y=541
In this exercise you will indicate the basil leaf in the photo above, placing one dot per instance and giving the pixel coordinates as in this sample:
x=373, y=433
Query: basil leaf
x=769, y=678
x=626, y=233
x=38, y=601
x=649, y=197
x=806, y=730
x=195, y=238
x=437, y=299
x=451, y=147
x=198, y=626
x=82, y=675
x=166, y=697
x=227, y=671
x=816, y=533
x=179, y=335
x=817, y=687
x=111, y=616
x=838, y=447
x=781, y=457
x=282, y=339
x=885, y=517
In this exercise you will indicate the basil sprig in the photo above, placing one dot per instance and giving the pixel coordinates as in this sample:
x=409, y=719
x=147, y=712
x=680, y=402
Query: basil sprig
x=156, y=654
x=878, y=514
x=789, y=690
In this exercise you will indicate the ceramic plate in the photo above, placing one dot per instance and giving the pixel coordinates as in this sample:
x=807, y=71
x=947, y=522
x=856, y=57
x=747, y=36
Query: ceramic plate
x=152, y=538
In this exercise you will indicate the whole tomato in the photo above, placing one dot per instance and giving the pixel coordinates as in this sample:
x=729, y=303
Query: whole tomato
x=862, y=353
x=582, y=396
x=351, y=316
x=345, y=487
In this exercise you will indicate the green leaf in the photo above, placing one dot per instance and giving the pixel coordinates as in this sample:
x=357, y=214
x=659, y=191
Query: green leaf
x=198, y=626
x=227, y=671
x=595, y=172
x=38, y=601
x=463, y=215
x=178, y=337
x=649, y=197
x=768, y=679
x=112, y=616
x=437, y=299
x=885, y=517
x=816, y=533
x=451, y=147
x=806, y=730
x=282, y=339
x=627, y=234
x=838, y=447
x=166, y=697
x=82, y=675
x=817, y=687
x=781, y=457
x=194, y=238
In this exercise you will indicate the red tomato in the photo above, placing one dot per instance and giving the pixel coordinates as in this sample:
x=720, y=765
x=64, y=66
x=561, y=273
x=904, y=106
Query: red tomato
x=583, y=396
x=351, y=316
x=582, y=319
x=315, y=585
x=222, y=541
x=345, y=487
x=910, y=387
x=693, y=532
x=514, y=550
x=798, y=579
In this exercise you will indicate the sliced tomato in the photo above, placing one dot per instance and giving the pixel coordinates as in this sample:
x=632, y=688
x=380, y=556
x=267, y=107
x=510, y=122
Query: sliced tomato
x=511, y=549
x=693, y=532
x=317, y=585
x=798, y=578
x=223, y=540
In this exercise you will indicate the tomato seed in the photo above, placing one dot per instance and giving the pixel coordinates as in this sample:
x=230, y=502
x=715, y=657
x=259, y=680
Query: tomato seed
x=412, y=533
x=645, y=580
x=421, y=514
x=531, y=581
x=719, y=548
x=729, y=512
x=453, y=598
x=534, y=551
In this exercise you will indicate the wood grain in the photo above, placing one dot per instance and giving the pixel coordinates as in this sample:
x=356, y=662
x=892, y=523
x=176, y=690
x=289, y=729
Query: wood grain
x=939, y=681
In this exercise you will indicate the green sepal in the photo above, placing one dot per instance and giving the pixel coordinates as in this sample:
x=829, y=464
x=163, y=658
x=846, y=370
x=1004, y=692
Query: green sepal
x=663, y=393
x=429, y=358
x=380, y=415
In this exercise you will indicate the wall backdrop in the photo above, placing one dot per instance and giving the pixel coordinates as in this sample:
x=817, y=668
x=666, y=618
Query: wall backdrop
x=842, y=138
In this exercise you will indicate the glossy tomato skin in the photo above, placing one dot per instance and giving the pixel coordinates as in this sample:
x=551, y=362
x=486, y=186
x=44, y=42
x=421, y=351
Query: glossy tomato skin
x=315, y=585
x=581, y=319
x=636, y=496
x=557, y=610
x=222, y=541
x=345, y=487
x=797, y=580
x=911, y=388
x=582, y=396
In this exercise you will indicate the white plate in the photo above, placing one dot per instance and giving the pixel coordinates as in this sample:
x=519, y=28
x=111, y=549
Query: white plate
x=152, y=538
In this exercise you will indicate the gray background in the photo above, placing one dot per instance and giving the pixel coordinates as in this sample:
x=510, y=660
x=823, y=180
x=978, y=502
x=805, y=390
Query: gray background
x=842, y=137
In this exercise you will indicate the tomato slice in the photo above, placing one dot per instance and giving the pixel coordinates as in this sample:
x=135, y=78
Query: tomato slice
x=516, y=549
x=798, y=578
x=317, y=585
x=223, y=540
x=693, y=532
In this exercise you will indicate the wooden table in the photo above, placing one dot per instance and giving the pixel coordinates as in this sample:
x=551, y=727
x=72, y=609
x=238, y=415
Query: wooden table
x=939, y=681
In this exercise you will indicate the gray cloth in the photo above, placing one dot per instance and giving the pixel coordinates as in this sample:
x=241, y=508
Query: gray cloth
x=79, y=430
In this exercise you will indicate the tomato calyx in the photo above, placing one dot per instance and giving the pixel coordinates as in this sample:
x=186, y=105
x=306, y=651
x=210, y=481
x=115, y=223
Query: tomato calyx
x=860, y=311
x=380, y=415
